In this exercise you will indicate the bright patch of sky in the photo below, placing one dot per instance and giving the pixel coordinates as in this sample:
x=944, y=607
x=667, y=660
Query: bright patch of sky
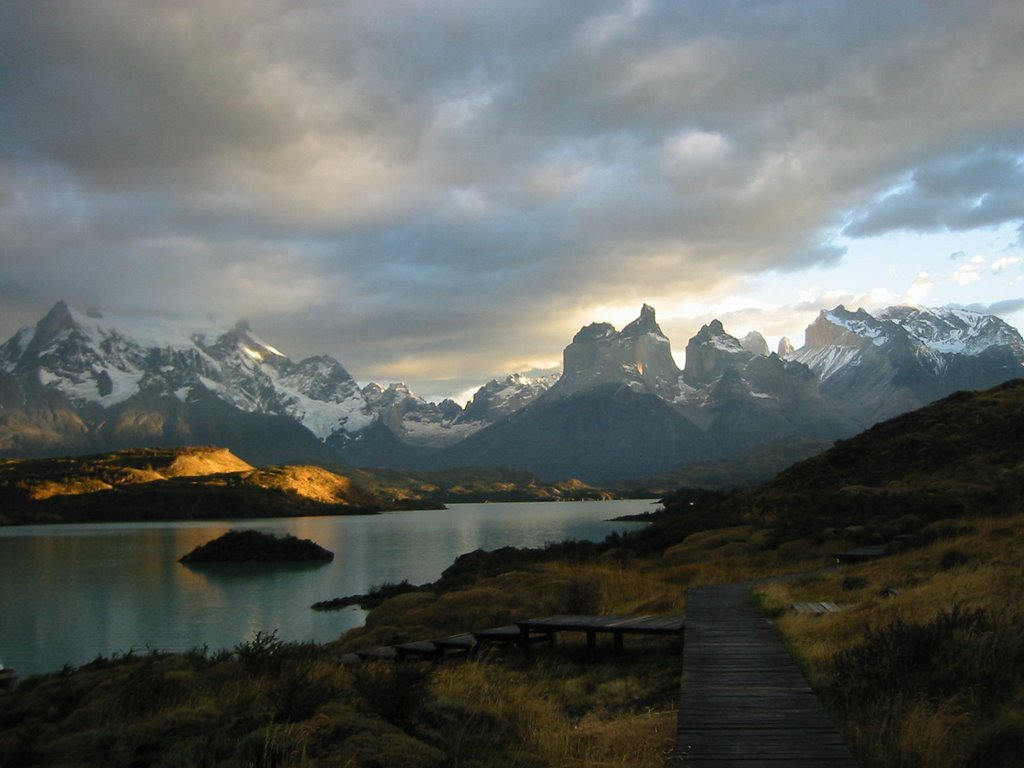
x=977, y=269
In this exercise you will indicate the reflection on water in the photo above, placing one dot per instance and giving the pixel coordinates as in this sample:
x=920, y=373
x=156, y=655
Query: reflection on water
x=72, y=592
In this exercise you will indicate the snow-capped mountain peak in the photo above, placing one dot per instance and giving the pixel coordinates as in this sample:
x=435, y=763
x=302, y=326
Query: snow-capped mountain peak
x=100, y=358
x=710, y=352
x=952, y=330
x=905, y=356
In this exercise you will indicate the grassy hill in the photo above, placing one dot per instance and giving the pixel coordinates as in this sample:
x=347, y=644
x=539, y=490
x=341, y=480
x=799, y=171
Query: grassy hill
x=469, y=484
x=747, y=470
x=206, y=482
x=959, y=456
x=165, y=484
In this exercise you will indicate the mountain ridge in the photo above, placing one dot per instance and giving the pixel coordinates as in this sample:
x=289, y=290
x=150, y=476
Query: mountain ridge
x=85, y=382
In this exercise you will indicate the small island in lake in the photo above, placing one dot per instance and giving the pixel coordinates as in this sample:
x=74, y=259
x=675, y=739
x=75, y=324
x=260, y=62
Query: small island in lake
x=253, y=546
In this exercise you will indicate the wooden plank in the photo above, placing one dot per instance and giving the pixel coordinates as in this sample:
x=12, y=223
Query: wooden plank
x=383, y=653
x=463, y=642
x=422, y=648
x=744, y=701
x=654, y=625
x=513, y=633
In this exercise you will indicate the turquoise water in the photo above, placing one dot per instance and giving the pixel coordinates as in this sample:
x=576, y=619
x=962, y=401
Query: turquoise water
x=71, y=592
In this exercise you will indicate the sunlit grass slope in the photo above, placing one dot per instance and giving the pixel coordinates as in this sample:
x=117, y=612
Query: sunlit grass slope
x=181, y=483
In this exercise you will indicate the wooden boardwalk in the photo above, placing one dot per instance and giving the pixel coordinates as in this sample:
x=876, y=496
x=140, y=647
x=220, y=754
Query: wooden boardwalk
x=744, y=701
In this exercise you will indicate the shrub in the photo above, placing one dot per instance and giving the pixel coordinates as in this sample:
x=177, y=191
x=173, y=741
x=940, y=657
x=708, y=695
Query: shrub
x=946, y=656
x=393, y=691
x=953, y=558
x=1000, y=746
x=262, y=654
x=298, y=694
x=851, y=583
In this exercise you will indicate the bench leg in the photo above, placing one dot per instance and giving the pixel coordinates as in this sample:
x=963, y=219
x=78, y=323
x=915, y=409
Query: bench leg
x=618, y=642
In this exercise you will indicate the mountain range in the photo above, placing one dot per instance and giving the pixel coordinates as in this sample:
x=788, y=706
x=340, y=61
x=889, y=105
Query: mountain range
x=84, y=382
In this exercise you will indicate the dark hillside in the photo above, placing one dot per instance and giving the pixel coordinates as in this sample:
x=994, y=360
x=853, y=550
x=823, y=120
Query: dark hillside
x=961, y=455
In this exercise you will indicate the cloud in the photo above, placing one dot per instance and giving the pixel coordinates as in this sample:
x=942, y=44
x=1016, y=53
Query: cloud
x=984, y=188
x=970, y=272
x=1005, y=262
x=453, y=185
x=999, y=308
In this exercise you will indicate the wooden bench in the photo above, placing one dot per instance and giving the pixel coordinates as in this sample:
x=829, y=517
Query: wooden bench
x=617, y=626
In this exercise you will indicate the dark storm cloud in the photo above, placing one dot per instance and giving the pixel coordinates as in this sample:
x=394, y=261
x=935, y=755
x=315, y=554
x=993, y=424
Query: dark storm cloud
x=390, y=179
x=983, y=189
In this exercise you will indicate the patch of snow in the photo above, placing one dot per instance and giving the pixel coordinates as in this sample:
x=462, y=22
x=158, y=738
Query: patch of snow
x=254, y=354
x=725, y=344
x=267, y=347
x=434, y=434
x=827, y=361
x=145, y=332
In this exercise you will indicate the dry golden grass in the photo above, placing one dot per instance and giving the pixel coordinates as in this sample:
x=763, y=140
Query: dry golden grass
x=541, y=705
x=624, y=589
x=977, y=567
x=204, y=461
x=313, y=483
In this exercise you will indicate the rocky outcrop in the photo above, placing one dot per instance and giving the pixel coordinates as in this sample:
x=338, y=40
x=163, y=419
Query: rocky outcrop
x=754, y=342
x=498, y=399
x=257, y=547
x=710, y=353
x=639, y=355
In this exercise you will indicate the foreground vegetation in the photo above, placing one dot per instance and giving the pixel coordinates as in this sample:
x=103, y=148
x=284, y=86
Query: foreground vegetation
x=922, y=667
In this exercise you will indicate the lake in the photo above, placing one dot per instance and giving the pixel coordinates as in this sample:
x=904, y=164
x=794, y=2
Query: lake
x=69, y=593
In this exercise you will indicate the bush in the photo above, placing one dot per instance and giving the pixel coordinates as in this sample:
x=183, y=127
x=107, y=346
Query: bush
x=851, y=583
x=394, y=691
x=1000, y=746
x=953, y=558
x=952, y=654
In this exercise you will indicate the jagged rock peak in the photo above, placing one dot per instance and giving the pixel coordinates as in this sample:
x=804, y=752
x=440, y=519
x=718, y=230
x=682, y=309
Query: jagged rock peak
x=785, y=346
x=595, y=332
x=640, y=355
x=59, y=318
x=714, y=334
x=710, y=352
x=841, y=328
x=645, y=323
x=754, y=342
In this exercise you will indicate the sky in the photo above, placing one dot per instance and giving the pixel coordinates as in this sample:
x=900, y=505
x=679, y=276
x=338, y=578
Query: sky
x=444, y=192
